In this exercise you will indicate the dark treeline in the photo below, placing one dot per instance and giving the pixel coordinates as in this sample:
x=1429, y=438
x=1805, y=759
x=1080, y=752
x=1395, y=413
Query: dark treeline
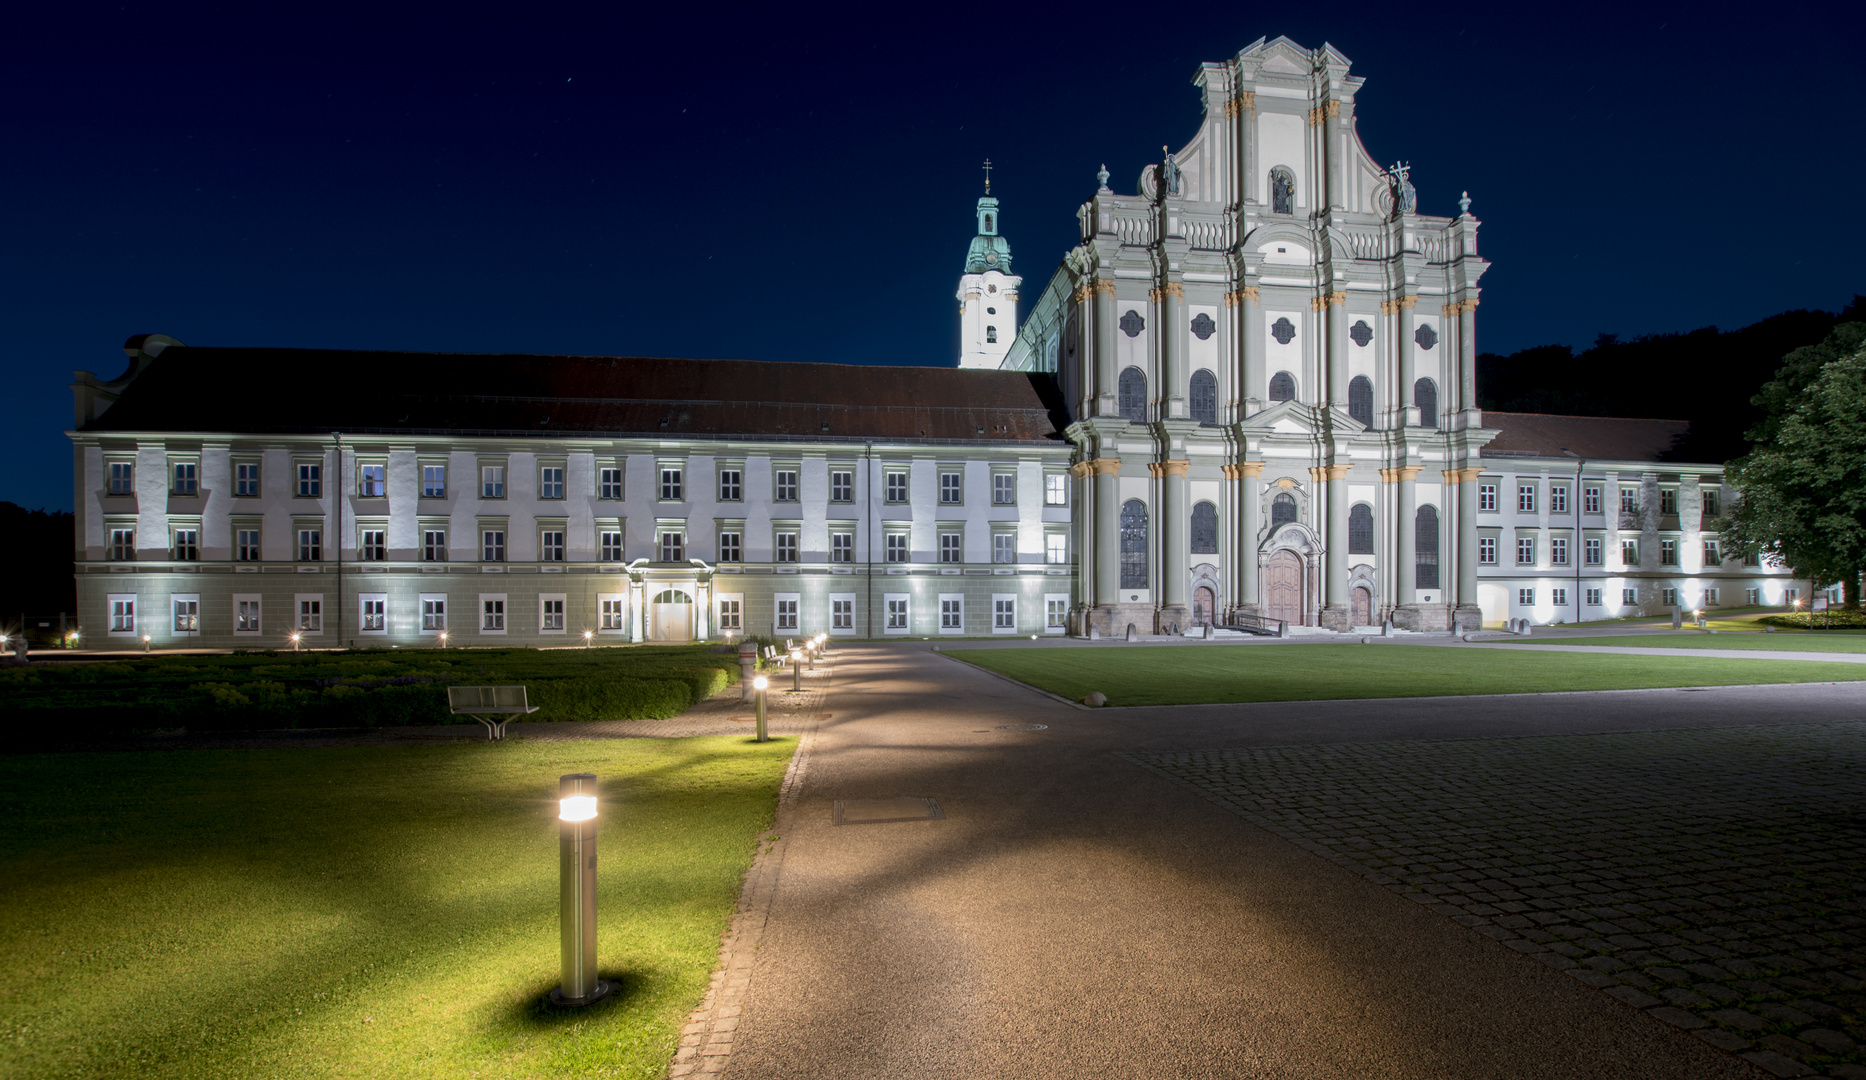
x=36, y=546
x=1705, y=376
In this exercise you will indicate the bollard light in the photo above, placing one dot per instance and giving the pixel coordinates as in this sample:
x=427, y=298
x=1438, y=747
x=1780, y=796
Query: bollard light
x=796, y=670
x=576, y=868
x=443, y=639
x=146, y=642
x=586, y=638
x=294, y=642
x=761, y=684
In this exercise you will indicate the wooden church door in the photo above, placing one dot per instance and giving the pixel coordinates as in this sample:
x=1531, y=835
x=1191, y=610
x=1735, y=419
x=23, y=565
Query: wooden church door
x=1282, y=588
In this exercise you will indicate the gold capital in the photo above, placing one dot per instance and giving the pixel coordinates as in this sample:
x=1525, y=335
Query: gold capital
x=1338, y=472
x=1175, y=468
x=1248, y=469
x=1079, y=470
x=1409, y=301
x=1404, y=473
x=1103, y=285
x=1107, y=466
x=1337, y=298
x=1248, y=292
x=1317, y=473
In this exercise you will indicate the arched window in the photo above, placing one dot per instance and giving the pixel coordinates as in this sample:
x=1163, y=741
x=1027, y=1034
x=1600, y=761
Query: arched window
x=1425, y=395
x=1425, y=548
x=1205, y=529
x=1131, y=402
x=1282, y=510
x=1282, y=387
x=987, y=222
x=1204, y=397
x=1133, y=544
x=1361, y=400
x=991, y=335
x=1282, y=191
x=672, y=596
x=1361, y=530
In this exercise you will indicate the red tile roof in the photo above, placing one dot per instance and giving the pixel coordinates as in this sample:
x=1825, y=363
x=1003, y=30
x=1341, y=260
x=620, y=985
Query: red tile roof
x=1600, y=438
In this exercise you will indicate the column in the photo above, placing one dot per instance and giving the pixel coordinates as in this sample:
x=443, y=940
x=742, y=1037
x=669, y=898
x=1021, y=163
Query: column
x=634, y=611
x=1331, y=151
x=1337, y=317
x=1407, y=360
x=1405, y=592
x=1335, y=583
x=1172, y=297
x=1103, y=290
x=1082, y=521
x=1250, y=377
x=1175, y=519
x=1467, y=355
x=1461, y=541
x=1107, y=530
x=1250, y=475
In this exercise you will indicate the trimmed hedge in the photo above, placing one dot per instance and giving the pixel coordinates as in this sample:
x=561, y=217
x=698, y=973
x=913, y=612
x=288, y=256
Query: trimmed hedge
x=1838, y=619
x=372, y=688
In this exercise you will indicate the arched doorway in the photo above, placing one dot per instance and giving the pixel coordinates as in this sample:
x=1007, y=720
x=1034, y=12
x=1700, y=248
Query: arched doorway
x=671, y=616
x=1204, y=606
x=1360, y=608
x=1282, y=587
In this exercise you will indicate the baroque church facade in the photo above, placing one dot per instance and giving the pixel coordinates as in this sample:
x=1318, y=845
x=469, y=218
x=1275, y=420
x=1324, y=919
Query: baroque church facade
x=1247, y=397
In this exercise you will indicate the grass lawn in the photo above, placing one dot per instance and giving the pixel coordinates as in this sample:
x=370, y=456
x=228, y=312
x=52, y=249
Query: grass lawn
x=360, y=912
x=1192, y=675
x=1837, y=641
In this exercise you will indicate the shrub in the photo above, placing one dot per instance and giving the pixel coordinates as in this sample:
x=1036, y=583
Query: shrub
x=1821, y=620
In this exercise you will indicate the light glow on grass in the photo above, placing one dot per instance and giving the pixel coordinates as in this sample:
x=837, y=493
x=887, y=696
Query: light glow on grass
x=1782, y=641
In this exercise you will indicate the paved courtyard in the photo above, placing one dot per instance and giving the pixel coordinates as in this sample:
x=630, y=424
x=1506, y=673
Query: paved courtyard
x=1715, y=878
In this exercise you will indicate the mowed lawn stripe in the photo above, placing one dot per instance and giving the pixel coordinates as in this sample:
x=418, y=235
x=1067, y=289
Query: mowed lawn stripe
x=1208, y=674
x=1797, y=641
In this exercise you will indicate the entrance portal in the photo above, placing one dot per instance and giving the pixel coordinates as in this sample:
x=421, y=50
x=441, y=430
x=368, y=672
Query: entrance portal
x=671, y=617
x=1282, y=587
x=1203, y=605
x=1360, y=608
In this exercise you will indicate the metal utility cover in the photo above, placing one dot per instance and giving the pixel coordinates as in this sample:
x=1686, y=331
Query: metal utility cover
x=876, y=811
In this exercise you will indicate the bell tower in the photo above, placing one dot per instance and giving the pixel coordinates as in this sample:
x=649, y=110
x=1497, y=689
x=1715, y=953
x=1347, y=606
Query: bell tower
x=987, y=291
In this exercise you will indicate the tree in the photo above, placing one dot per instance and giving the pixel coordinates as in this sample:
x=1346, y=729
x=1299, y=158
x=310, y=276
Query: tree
x=1803, y=484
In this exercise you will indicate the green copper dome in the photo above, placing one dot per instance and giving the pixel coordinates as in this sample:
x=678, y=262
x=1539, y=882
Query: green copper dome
x=989, y=251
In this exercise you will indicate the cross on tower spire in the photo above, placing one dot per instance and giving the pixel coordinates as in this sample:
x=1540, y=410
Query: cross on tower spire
x=987, y=176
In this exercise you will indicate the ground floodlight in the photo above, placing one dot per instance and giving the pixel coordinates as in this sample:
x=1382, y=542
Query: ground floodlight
x=294, y=642
x=443, y=639
x=586, y=638
x=146, y=642
x=796, y=670
x=576, y=866
x=761, y=684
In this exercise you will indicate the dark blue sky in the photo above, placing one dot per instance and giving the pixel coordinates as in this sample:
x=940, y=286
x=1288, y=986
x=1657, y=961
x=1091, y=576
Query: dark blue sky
x=693, y=180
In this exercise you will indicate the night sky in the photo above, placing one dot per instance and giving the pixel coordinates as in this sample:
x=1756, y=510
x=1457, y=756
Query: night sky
x=688, y=180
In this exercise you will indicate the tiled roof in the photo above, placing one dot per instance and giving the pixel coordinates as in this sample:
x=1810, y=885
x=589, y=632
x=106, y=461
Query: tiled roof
x=1600, y=438
x=313, y=391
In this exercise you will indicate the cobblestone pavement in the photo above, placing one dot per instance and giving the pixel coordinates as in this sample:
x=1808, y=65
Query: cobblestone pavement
x=1715, y=878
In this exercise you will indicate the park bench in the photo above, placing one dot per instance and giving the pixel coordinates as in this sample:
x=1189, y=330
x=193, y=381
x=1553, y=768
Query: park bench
x=494, y=706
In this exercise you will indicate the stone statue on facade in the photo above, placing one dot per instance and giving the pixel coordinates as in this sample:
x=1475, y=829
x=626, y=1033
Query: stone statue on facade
x=1405, y=197
x=1169, y=174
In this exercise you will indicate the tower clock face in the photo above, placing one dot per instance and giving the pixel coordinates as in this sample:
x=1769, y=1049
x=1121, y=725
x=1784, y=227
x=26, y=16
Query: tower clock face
x=991, y=256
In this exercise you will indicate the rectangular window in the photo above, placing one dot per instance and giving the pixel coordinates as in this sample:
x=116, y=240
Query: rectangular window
x=1526, y=498
x=1525, y=551
x=1593, y=598
x=950, y=547
x=492, y=613
x=434, y=481
x=372, y=481
x=1590, y=500
x=729, y=547
x=1752, y=596
x=1056, y=613
x=1713, y=553
x=1003, y=489
x=1056, y=489
x=784, y=485
x=187, y=614
x=896, y=487
x=372, y=545
x=492, y=545
x=433, y=613
x=1004, y=613
x=1712, y=504
x=731, y=485
x=246, y=478
x=246, y=545
x=1668, y=553
x=187, y=545
x=1486, y=496
x=1629, y=597
x=1789, y=596
x=246, y=615
x=787, y=614
x=841, y=547
x=1055, y=549
x=1526, y=597
x=841, y=614
x=122, y=545
x=897, y=614
x=492, y=482
x=551, y=615
x=841, y=486
x=1558, y=550
x=122, y=478
x=187, y=480
x=897, y=547
x=1629, y=500
x=123, y=615
x=1591, y=551
x=1712, y=598
x=610, y=542
x=310, y=545
x=375, y=614
x=1668, y=501
x=311, y=615
x=951, y=613
x=609, y=483
x=1668, y=597
x=1752, y=557
x=786, y=550
x=1629, y=552
x=551, y=482
x=434, y=545
x=671, y=486
x=1558, y=597
x=673, y=546
x=1487, y=550
x=551, y=545
x=612, y=614
x=310, y=480
x=950, y=491
x=1558, y=500
x=730, y=616
x=1004, y=548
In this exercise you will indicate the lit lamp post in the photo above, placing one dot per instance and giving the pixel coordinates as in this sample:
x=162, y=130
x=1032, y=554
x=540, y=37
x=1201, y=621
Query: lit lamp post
x=443, y=639
x=576, y=849
x=1798, y=611
x=761, y=684
x=146, y=637
x=586, y=638
x=796, y=670
x=294, y=642
x=824, y=638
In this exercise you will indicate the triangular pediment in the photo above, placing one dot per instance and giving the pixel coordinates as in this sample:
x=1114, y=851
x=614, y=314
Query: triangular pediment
x=1283, y=418
x=1282, y=56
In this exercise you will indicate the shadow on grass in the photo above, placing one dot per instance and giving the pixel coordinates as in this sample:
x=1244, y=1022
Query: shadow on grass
x=535, y=1011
